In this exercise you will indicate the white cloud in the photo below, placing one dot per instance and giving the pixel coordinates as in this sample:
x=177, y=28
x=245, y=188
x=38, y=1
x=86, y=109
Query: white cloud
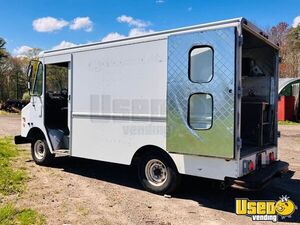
x=64, y=44
x=296, y=21
x=82, y=23
x=48, y=24
x=22, y=51
x=132, y=22
x=139, y=31
x=113, y=36
x=132, y=32
x=160, y=1
x=138, y=28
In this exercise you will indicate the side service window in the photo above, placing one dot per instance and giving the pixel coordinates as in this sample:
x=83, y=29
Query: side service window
x=201, y=64
x=200, y=111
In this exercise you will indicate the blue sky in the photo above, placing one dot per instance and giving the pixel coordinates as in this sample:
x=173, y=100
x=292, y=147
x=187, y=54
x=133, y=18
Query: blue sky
x=49, y=23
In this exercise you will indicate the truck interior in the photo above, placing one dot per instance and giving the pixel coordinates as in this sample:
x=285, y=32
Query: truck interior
x=258, y=106
x=56, y=104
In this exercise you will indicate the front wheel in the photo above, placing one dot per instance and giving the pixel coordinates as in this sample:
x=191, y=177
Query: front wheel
x=40, y=152
x=158, y=174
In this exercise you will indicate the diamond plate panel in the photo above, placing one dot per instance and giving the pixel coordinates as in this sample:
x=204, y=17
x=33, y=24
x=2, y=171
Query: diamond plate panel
x=181, y=138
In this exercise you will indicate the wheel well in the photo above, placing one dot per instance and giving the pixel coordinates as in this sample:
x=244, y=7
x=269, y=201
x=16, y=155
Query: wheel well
x=35, y=133
x=149, y=148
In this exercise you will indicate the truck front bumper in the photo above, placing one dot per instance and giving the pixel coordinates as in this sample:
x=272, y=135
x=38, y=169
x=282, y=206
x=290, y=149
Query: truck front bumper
x=21, y=140
x=259, y=178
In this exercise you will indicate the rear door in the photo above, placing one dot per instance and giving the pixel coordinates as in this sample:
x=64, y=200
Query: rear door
x=201, y=93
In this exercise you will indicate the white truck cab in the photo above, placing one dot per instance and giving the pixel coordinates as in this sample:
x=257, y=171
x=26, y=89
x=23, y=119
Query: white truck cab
x=198, y=100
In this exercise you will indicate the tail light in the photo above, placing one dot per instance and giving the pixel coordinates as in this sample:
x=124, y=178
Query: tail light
x=271, y=156
x=251, y=165
x=248, y=166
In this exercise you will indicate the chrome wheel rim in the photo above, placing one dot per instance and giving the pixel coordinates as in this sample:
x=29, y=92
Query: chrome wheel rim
x=39, y=150
x=156, y=172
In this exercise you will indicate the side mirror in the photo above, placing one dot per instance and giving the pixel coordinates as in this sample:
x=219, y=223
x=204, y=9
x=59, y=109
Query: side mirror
x=29, y=74
x=29, y=71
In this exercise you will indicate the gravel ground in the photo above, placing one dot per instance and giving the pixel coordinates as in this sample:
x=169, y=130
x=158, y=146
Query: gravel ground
x=77, y=191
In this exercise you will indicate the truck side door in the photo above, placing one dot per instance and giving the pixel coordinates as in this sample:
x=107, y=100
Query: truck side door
x=201, y=93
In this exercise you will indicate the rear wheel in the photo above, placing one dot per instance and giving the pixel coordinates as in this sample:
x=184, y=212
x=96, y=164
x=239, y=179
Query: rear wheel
x=158, y=174
x=40, y=152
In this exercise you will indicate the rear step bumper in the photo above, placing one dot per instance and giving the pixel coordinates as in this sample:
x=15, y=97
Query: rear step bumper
x=259, y=178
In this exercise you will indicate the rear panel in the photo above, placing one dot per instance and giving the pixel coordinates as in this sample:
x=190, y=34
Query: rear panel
x=218, y=138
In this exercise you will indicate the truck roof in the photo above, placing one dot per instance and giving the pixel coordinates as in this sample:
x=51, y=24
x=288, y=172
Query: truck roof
x=158, y=35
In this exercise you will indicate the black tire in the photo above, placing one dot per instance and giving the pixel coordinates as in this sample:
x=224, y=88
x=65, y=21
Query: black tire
x=165, y=177
x=40, y=152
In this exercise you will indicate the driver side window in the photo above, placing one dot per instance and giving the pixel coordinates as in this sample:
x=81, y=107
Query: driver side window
x=38, y=83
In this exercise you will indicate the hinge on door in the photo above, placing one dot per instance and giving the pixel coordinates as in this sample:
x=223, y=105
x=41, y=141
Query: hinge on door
x=69, y=97
x=241, y=40
x=239, y=143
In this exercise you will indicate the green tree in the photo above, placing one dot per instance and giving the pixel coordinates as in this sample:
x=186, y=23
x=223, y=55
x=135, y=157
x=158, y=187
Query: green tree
x=3, y=52
x=288, y=39
x=293, y=38
x=32, y=54
x=12, y=77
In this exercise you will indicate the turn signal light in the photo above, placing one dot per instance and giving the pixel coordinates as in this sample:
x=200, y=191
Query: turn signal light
x=271, y=156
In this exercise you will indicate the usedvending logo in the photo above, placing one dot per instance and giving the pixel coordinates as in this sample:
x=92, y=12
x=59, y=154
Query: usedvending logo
x=265, y=210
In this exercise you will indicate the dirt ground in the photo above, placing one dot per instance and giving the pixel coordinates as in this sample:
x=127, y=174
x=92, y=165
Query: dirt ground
x=78, y=191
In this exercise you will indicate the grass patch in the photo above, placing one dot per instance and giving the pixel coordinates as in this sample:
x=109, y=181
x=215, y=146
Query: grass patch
x=9, y=215
x=3, y=112
x=7, y=148
x=11, y=180
x=83, y=211
x=287, y=122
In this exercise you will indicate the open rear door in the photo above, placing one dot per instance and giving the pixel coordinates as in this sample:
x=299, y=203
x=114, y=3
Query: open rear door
x=201, y=93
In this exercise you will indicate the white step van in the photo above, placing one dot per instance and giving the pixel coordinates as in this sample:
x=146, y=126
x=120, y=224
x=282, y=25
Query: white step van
x=199, y=100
